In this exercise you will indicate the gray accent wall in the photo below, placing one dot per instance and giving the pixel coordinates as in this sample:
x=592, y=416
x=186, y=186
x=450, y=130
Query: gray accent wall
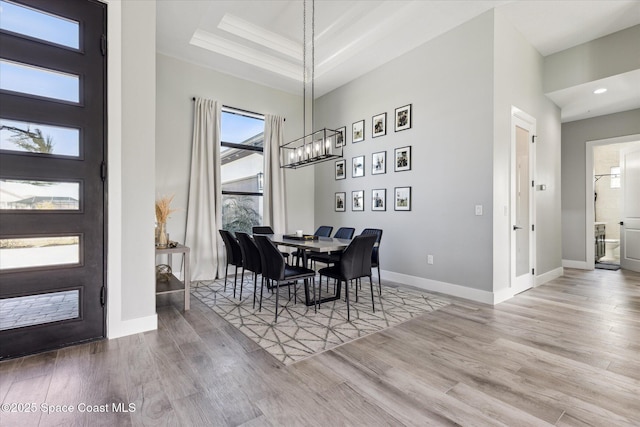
x=617, y=53
x=575, y=135
x=177, y=83
x=462, y=86
x=519, y=82
x=449, y=82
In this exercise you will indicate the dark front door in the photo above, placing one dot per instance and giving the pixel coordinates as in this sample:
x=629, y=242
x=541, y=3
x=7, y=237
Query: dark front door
x=52, y=189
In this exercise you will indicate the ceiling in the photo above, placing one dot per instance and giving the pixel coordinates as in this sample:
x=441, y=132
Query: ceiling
x=261, y=41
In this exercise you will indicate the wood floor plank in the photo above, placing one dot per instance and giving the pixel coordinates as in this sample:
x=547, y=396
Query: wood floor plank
x=564, y=353
x=151, y=405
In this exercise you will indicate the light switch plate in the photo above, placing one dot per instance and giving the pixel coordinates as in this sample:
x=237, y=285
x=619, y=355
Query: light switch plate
x=478, y=210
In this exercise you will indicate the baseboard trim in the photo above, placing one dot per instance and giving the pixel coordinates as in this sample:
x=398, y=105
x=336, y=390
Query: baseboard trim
x=569, y=263
x=133, y=326
x=549, y=276
x=477, y=295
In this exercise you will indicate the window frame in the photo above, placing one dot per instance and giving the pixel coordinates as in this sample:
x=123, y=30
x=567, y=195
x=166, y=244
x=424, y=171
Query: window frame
x=245, y=113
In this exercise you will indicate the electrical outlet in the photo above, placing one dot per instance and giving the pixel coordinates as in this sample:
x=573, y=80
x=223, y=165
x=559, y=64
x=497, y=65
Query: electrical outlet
x=429, y=259
x=478, y=210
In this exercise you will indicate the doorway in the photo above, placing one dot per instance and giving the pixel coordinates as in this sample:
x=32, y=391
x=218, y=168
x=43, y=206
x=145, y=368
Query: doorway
x=52, y=179
x=605, y=185
x=522, y=226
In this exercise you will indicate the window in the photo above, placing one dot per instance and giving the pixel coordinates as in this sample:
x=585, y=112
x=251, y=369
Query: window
x=615, y=177
x=241, y=169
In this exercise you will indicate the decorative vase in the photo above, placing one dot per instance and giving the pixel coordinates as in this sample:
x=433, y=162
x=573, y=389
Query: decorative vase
x=163, y=241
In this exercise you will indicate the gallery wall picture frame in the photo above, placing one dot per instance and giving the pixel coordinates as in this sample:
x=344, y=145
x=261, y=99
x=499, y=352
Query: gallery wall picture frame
x=357, y=200
x=402, y=159
x=403, y=118
x=402, y=199
x=379, y=163
x=341, y=139
x=357, y=131
x=357, y=167
x=341, y=169
x=340, y=203
x=379, y=199
x=379, y=125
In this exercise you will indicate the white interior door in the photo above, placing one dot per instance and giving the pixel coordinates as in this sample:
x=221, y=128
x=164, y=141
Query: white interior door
x=522, y=202
x=630, y=208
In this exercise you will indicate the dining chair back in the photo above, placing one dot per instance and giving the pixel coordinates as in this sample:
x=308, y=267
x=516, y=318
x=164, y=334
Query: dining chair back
x=323, y=231
x=333, y=257
x=250, y=260
x=355, y=263
x=234, y=257
x=265, y=229
x=262, y=229
x=344, y=233
x=275, y=269
x=375, y=255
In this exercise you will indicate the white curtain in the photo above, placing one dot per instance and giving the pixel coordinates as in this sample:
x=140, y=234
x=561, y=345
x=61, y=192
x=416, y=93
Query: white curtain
x=204, y=213
x=274, y=195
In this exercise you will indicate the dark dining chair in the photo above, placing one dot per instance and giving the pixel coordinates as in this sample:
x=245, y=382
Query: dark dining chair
x=333, y=257
x=375, y=255
x=250, y=260
x=266, y=229
x=275, y=269
x=234, y=257
x=322, y=231
x=355, y=263
x=262, y=229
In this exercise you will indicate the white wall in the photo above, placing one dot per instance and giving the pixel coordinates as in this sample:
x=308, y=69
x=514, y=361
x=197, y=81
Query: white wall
x=177, y=83
x=131, y=168
x=518, y=81
x=449, y=81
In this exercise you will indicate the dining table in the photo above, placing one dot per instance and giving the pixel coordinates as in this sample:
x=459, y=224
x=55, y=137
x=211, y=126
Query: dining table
x=306, y=245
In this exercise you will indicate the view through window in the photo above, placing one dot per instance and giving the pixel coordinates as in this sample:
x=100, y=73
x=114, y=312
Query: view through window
x=241, y=169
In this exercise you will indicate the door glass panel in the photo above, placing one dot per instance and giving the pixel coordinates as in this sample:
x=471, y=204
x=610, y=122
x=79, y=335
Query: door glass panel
x=32, y=310
x=523, y=187
x=40, y=25
x=39, y=195
x=33, y=252
x=38, y=81
x=37, y=138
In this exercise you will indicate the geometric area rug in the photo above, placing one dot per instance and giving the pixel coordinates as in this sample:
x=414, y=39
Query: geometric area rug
x=301, y=333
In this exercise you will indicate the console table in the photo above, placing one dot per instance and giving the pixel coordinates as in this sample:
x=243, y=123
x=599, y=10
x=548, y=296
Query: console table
x=174, y=284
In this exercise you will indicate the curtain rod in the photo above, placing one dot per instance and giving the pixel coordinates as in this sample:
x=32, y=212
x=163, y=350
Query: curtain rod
x=240, y=109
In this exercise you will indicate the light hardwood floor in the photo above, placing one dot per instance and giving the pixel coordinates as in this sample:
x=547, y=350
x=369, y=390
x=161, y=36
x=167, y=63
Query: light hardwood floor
x=565, y=353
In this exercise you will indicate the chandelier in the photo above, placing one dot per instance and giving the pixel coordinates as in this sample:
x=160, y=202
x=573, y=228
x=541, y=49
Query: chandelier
x=321, y=145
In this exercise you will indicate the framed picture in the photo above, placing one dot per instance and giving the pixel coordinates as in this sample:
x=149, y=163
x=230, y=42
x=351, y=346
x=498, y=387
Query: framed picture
x=340, y=138
x=403, y=118
x=379, y=199
x=357, y=169
x=358, y=132
x=379, y=125
x=379, y=163
x=403, y=159
x=402, y=199
x=340, y=203
x=341, y=166
x=357, y=200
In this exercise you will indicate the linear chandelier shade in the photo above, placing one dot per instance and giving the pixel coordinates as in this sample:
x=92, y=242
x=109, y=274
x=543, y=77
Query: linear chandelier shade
x=321, y=145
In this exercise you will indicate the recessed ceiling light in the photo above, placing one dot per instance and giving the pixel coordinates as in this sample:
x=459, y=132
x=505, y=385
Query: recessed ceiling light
x=600, y=90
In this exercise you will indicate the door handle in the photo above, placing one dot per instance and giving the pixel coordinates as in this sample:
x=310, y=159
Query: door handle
x=515, y=227
x=621, y=222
